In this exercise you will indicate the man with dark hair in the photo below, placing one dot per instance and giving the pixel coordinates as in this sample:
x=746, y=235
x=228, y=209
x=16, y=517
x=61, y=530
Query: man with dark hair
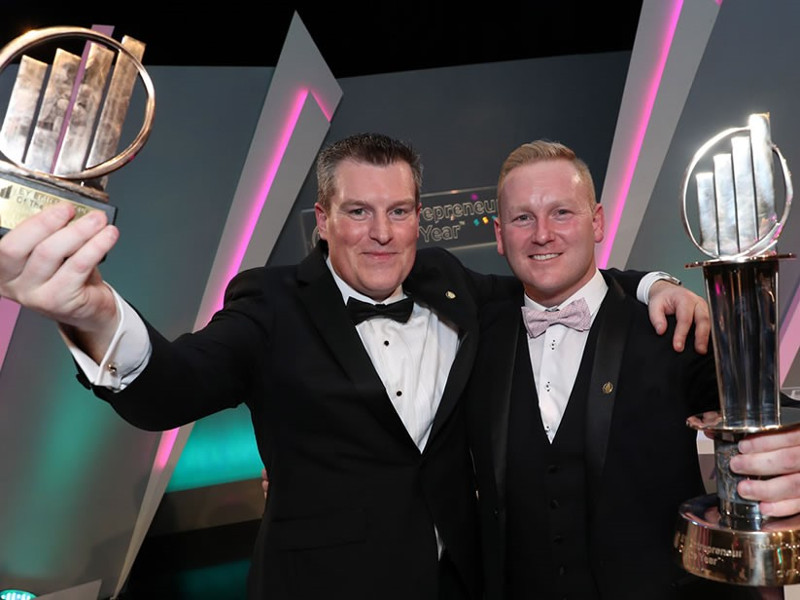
x=357, y=419
x=577, y=412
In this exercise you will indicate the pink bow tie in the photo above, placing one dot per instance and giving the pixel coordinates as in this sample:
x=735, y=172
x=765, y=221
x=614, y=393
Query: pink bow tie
x=575, y=315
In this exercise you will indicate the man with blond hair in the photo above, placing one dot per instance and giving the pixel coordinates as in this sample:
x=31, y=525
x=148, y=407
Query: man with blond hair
x=577, y=412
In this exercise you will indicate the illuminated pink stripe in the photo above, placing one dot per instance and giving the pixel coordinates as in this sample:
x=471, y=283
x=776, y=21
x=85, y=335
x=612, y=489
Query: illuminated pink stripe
x=789, y=340
x=612, y=224
x=168, y=438
x=165, y=446
x=326, y=110
x=258, y=201
x=9, y=311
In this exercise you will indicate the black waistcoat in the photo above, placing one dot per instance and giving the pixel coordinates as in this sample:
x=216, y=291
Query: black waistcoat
x=547, y=543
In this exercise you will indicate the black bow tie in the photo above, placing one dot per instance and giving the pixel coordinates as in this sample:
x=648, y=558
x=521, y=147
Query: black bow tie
x=400, y=311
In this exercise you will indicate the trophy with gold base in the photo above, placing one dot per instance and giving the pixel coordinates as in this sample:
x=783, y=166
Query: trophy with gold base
x=722, y=536
x=63, y=122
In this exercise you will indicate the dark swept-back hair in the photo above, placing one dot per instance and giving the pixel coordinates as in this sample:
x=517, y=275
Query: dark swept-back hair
x=369, y=148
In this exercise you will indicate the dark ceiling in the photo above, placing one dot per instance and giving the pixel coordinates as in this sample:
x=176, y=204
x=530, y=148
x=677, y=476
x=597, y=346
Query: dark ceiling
x=355, y=38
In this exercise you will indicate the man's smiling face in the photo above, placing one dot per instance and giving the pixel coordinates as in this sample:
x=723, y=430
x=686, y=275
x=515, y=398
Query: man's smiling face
x=371, y=226
x=547, y=228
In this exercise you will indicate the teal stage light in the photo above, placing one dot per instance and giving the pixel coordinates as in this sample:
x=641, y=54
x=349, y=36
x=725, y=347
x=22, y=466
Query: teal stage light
x=16, y=595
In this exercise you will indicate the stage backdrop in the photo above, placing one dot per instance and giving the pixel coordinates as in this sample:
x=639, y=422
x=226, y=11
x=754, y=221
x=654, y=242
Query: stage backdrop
x=74, y=475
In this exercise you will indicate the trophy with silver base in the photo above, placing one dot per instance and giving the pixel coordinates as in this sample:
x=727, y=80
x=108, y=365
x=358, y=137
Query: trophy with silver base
x=63, y=123
x=722, y=536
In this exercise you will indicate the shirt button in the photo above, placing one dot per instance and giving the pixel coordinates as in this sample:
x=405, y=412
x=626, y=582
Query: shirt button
x=398, y=393
x=385, y=342
x=554, y=504
x=111, y=368
x=552, y=468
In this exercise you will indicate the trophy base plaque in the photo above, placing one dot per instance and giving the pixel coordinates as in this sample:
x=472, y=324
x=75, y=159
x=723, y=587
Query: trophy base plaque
x=22, y=195
x=769, y=557
x=738, y=545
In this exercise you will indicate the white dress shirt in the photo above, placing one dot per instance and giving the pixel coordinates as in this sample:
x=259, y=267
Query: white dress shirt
x=556, y=355
x=127, y=354
x=413, y=359
x=426, y=343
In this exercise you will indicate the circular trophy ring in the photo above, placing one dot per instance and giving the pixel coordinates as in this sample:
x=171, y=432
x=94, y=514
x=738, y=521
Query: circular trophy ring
x=763, y=243
x=31, y=38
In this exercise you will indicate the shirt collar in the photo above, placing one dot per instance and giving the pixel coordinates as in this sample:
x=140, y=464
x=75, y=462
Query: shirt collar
x=593, y=292
x=348, y=292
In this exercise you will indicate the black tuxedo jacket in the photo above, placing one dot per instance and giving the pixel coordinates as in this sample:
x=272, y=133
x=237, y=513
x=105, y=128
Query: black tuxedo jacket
x=352, y=502
x=641, y=459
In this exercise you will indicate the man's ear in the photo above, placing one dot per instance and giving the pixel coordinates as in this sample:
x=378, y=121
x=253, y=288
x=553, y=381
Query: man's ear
x=498, y=230
x=598, y=223
x=322, y=221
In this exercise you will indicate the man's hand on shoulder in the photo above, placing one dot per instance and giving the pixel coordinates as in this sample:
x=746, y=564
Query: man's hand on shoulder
x=667, y=298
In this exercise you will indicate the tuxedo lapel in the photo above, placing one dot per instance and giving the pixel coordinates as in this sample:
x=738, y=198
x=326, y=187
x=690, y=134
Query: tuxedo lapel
x=428, y=284
x=613, y=321
x=326, y=310
x=502, y=335
x=323, y=302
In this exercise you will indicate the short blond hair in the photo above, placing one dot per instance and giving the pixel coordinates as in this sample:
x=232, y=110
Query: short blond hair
x=540, y=151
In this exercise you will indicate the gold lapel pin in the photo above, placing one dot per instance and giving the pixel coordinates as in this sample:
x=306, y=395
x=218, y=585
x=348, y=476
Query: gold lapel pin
x=449, y=295
x=608, y=387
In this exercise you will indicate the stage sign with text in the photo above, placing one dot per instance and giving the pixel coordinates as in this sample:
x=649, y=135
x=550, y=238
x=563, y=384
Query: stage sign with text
x=454, y=219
